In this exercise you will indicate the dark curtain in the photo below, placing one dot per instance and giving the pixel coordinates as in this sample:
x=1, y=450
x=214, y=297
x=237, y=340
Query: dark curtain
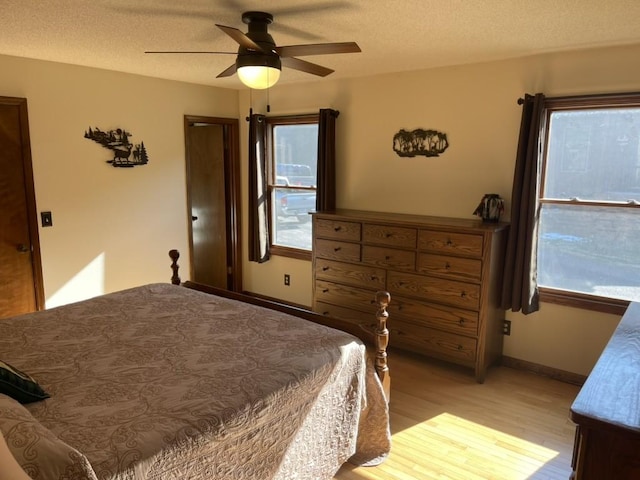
x=326, y=175
x=520, y=288
x=258, y=211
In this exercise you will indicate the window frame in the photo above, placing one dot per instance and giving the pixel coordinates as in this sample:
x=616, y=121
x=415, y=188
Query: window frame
x=573, y=103
x=272, y=122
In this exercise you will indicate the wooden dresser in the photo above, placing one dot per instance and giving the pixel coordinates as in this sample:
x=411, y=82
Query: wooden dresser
x=607, y=409
x=443, y=274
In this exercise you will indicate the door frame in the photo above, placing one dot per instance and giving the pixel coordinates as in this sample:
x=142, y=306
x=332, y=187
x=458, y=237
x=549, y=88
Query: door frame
x=231, y=137
x=30, y=196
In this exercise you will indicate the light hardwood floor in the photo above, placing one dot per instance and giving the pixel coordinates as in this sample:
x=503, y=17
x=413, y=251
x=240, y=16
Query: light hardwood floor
x=444, y=425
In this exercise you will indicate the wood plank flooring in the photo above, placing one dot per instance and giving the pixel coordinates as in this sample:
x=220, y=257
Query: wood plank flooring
x=515, y=426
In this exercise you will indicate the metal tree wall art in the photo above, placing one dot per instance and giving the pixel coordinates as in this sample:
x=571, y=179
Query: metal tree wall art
x=429, y=143
x=118, y=141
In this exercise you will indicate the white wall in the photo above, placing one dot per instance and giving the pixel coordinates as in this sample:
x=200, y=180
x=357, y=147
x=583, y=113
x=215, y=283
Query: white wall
x=112, y=227
x=476, y=106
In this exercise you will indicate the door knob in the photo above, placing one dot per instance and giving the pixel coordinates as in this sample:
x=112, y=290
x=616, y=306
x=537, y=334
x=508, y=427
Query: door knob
x=22, y=248
x=193, y=218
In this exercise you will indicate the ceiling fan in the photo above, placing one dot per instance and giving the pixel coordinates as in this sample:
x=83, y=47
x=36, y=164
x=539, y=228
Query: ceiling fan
x=259, y=60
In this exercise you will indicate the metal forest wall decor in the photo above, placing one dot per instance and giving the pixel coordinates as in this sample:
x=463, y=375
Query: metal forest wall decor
x=118, y=141
x=429, y=143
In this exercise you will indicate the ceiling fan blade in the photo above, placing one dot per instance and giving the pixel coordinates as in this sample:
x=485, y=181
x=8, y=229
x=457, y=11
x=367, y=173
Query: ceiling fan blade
x=317, y=49
x=182, y=51
x=241, y=38
x=228, y=72
x=305, y=66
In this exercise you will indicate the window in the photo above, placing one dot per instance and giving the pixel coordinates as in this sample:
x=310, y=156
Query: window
x=589, y=223
x=292, y=157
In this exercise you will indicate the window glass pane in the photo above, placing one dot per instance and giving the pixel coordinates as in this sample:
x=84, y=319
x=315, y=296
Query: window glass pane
x=592, y=250
x=295, y=152
x=294, y=158
x=594, y=155
x=291, y=219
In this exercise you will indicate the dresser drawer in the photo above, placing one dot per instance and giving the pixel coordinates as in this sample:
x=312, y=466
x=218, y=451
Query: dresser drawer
x=356, y=275
x=450, y=243
x=367, y=320
x=337, y=230
x=432, y=342
x=389, y=257
x=337, y=250
x=454, y=267
x=458, y=294
x=454, y=320
x=389, y=235
x=345, y=296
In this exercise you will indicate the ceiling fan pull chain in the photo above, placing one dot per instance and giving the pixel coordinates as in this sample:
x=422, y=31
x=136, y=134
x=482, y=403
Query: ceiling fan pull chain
x=268, y=106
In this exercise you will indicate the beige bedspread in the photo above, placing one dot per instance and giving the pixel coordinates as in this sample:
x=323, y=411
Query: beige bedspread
x=162, y=382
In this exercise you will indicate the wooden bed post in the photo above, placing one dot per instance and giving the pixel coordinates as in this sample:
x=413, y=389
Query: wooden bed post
x=175, y=255
x=382, y=341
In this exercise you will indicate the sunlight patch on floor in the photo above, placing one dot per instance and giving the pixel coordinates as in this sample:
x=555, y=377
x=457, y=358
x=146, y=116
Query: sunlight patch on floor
x=470, y=448
x=450, y=447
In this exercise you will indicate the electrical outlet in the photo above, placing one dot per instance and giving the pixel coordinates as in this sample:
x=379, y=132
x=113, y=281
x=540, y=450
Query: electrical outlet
x=287, y=279
x=506, y=327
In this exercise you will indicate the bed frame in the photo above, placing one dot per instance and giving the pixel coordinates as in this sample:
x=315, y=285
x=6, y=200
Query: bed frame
x=375, y=336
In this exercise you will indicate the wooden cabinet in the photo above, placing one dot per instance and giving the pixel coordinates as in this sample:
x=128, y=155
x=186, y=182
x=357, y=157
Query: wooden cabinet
x=443, y=274
x=607, y=409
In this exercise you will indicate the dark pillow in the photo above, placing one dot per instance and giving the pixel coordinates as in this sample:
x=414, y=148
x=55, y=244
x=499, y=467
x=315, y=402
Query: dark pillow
x=19, y=385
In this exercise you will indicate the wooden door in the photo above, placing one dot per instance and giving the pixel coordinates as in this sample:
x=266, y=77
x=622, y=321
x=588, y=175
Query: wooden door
x=21, y=288
x=212, y=201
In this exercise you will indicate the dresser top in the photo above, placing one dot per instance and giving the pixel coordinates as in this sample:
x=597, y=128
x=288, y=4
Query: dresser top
x=417, y=220
x=611, y=394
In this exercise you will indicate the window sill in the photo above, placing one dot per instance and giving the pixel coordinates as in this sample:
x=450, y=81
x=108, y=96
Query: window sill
x=290, y=252
x=584, y=301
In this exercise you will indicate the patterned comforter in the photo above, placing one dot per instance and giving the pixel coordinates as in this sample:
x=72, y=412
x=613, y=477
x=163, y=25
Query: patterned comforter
x=163, y=382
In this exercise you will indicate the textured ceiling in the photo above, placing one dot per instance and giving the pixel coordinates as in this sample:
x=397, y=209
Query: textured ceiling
x=394, y=35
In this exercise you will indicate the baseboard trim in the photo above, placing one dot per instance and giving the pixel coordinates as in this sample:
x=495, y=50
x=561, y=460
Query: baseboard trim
x=555, y=373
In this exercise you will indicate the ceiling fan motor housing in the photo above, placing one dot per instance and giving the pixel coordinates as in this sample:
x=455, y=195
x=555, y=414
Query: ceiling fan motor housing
x=258, y=22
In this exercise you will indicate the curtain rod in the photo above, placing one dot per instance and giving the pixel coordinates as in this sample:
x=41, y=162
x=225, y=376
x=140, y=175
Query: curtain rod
x=522, y=100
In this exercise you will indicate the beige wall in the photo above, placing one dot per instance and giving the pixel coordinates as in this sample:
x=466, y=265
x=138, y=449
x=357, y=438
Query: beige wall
x=112, y=227
x=476, y=107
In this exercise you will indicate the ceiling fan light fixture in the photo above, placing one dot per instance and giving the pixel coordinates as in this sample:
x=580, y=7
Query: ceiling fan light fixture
x=258, y=70
x=258, y=77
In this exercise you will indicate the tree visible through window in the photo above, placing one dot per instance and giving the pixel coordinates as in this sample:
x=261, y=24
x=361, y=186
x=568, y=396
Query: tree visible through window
x=292, y=180
x=589, y=223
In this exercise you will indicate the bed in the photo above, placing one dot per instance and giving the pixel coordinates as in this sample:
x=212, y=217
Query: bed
x=170, y=381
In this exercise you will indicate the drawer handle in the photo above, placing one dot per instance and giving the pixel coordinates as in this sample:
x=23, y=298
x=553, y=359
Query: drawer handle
x=337, y=249
x=373, y=278
x=461, y=321
x=387, y=257
x=459, y=347
x=337, y=229
x=324, y=269
x=463, y=294
x=389, y=235
x=325, y=290
x=447, y=266
x=326, y=314
x=449, y=242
